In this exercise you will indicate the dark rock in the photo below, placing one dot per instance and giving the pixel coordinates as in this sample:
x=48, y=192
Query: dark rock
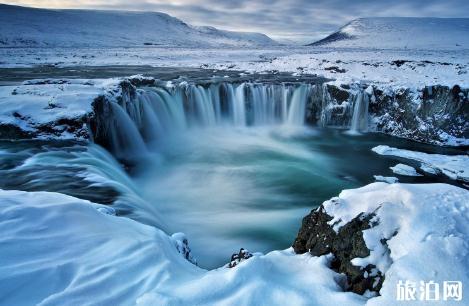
x=97, y=122
x=10, y=131
x=182, y=246
x=335, y=69
x=440, y=111
x=338, y=93
x=237, y=258
x=336, y=36
x=318, y=237
x=399, y=63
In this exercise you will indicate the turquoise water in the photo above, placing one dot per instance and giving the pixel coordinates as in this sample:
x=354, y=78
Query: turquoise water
x=228, y=188
x=225, y=187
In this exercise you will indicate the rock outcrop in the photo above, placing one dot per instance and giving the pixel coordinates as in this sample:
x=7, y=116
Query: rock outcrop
x=435, y=114
x=318, y=237
x=239, y=257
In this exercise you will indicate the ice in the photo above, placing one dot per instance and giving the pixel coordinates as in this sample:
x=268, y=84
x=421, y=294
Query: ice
x=386, y=179
x=405, y=170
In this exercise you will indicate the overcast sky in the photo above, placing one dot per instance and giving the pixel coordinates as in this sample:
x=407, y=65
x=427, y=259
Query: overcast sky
x=298, y=20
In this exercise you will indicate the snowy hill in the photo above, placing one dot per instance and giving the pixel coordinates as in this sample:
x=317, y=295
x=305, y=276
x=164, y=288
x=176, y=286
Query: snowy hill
x=31, y=27
x=401, y=33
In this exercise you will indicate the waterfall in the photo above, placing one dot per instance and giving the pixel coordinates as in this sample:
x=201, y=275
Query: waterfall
x=296, y=112
x=125, y=138
x=239, y=106
x=132, y=123
x=360, y=114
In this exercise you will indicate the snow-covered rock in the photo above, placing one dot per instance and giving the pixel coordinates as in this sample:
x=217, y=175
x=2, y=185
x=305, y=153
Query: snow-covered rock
x=31, y=27
x=405, y=170
x=455, y=167
x=433, y=114
x=411, y=233
x=401, y=33
x=51, y=108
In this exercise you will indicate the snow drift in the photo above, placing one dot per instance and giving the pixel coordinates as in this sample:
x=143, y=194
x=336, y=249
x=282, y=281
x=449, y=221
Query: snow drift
x=31, y=27
x=58, y=250
x=401, y=33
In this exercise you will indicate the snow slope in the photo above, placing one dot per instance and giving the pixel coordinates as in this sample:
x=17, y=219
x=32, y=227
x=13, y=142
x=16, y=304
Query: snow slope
x=31, y=27
x=401, y=33
x=59, y=250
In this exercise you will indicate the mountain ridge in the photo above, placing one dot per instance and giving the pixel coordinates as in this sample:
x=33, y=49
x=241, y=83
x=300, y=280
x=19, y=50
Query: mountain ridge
x=400, y=33
x=36, y=27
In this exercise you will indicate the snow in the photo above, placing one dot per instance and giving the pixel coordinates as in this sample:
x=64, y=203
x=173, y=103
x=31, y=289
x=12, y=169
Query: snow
x=425, y=225
x=31, y=27
x=455, y=167
x=422, y=68
x=405, y=170
x=61, y=250
x=39, y=102
x=68, y=251
x=401, y=33
x=386, y=179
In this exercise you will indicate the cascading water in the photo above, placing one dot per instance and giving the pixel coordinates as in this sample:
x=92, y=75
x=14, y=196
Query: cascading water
x=360, y=114
x=296, y=113
x=155, y=112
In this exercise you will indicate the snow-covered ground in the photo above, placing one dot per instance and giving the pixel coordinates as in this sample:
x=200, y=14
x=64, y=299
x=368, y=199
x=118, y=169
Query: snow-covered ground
x=62, y=250
x=396, y=68
x=31, y=27
x=455, y=167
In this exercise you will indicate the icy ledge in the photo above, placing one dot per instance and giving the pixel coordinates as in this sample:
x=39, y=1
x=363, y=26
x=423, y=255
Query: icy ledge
x=59, y=250
x=455, y=167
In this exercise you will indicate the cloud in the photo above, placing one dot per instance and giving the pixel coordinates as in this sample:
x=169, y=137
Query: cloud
x=299, y=20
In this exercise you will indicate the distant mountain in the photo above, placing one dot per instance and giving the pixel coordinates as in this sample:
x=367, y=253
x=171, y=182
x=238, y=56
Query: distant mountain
x=401, y=33
x=32, y=27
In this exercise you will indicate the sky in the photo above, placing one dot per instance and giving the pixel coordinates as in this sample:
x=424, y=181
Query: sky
x=285, y=20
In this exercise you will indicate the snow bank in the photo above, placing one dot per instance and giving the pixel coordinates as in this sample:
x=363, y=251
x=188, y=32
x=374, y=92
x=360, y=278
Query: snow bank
x=455, y=167
x=59, y=250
